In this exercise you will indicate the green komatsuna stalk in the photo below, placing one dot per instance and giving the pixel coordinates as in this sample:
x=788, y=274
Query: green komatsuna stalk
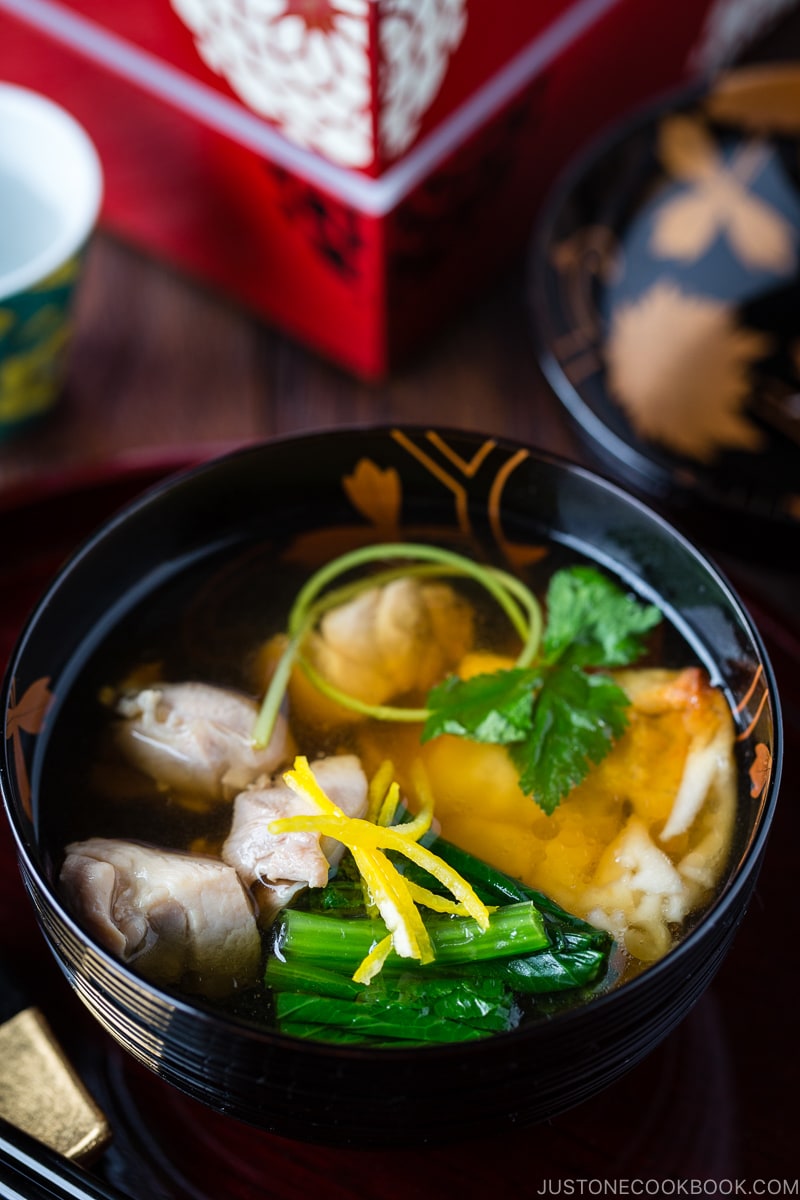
x=514, y=930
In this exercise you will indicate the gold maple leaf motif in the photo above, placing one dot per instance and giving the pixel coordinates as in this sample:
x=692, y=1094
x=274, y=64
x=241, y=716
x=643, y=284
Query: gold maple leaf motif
x=678, y=366
x=760, y=770
x=718, y=201
x=376, y=493
x=29, y=712
x=26, y=715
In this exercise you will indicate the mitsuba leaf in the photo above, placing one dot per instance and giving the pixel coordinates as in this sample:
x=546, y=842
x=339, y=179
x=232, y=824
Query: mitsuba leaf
x=495, y=708
x=560, y=715
x=592, y=622
x=576, y=718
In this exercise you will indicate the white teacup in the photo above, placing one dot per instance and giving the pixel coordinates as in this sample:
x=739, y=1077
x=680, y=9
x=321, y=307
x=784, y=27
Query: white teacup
x=50, y=191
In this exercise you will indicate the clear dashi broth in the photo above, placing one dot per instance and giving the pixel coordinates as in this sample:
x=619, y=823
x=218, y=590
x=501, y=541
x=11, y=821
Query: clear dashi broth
x=599, y=855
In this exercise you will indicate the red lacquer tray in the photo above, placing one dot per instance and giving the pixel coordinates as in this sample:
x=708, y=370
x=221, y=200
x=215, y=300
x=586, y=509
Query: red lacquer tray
x=717, y=1101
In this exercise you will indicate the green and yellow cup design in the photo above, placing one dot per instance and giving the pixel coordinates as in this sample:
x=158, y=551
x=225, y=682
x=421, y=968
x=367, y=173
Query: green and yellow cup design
x=50, y=192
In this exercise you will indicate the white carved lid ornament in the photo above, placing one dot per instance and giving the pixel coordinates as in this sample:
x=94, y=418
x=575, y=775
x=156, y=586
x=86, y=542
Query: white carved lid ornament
x=417, y=38
x=305, y=66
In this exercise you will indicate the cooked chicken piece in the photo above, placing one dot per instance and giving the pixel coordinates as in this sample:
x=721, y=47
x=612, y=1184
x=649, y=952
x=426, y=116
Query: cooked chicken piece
x=285, y=863
x=180, y=919
x=390, y=641
x=398, y=638
x=197, y=739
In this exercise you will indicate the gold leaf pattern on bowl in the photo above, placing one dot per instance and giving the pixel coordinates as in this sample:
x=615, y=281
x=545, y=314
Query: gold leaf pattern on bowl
x=27, y=715
x=376, y=493
x=719, y=201
x=760, y=770
x=678, y=364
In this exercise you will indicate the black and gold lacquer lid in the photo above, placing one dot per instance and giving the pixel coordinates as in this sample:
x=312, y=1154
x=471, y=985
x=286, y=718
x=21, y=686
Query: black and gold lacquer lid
x=665, y=285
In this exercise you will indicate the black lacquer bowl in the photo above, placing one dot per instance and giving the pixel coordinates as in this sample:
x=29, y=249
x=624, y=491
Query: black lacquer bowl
x=664, y=278
x=306, y=498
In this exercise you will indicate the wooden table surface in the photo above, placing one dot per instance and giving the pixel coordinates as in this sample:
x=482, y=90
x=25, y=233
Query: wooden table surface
x=160, y=365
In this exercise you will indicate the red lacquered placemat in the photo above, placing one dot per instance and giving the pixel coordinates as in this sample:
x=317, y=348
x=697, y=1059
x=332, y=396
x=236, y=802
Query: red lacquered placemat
x=716, y=1101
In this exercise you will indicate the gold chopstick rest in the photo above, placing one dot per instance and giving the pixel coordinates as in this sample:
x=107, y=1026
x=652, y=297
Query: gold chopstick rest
x=41, y=1094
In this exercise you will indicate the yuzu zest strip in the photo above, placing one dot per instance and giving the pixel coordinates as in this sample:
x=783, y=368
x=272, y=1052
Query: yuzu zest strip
x=391, y=893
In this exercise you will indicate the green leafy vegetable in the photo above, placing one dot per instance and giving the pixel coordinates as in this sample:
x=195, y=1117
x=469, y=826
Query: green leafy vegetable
x=592, y=623
x=492, y=708
x=540, y=956
x=575, y=719
x=342, y=944
x=414, y=1001
x=556, y=718
x=554, y=970
x=374, y=1021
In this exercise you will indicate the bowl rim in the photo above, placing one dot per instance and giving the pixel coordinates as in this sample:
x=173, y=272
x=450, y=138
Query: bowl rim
x=196, y=1009
x=583, y=161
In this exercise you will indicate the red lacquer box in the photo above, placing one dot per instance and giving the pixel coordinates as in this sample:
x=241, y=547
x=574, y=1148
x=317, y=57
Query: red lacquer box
x=352, y=170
